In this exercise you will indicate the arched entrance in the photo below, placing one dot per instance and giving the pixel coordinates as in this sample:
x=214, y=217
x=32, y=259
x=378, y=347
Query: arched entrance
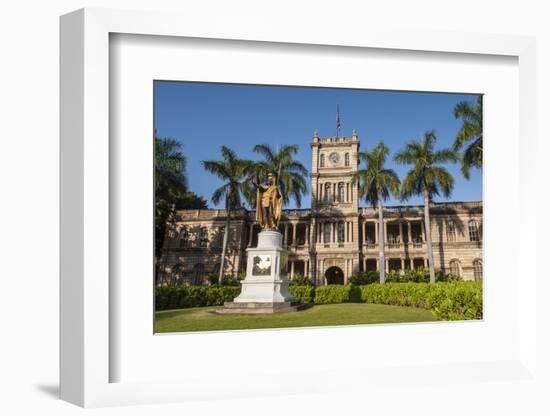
x=334, y=276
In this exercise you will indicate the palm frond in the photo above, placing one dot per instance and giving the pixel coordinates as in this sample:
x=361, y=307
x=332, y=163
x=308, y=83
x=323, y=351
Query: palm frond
x=470, y=134
x=290, y=173
x=374, y=181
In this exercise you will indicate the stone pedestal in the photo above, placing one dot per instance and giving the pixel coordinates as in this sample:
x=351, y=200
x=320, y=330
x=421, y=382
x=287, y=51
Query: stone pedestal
x=265, y=287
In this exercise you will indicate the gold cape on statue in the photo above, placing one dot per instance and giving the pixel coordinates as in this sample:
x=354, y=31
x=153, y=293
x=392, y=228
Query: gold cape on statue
x=272, y=196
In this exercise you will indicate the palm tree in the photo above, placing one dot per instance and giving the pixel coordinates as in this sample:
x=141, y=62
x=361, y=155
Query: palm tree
x=291, y=175
x=375, y=185
x=170, y=185
x=470, y=135
x=231, y=171
x=426, y=178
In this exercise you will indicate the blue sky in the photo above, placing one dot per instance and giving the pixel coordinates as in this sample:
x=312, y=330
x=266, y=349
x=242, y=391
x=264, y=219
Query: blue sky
x=205, y=116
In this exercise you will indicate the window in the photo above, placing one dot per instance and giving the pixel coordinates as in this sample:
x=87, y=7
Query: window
x=454, y=267
x=451, y=231
x=473, y=230
x=369, y=233
x=341, y=232
x=322, y=163
x=326, y=232
x=221, y=233
x=341, y=192
x=478, y=269
x=393, y=235
x=184, y=238
x=346, y=159
x=418, y=263
x=203, y=237
x=328, y=192
x=371, y=265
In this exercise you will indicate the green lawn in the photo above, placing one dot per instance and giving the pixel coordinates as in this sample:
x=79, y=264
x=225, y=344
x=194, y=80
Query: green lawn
x=202, y=319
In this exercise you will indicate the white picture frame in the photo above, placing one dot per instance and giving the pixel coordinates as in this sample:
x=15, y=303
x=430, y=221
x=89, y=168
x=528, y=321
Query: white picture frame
x=86, y=334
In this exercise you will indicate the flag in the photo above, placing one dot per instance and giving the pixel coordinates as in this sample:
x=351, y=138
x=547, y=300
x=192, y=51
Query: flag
x=337, y=120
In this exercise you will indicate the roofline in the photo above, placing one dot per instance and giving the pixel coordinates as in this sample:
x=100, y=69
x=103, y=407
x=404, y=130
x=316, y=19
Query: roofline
x=360, y=207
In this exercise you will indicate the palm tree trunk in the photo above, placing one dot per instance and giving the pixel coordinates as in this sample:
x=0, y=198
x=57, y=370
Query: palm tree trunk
x=224, y=247
x=381, y=257
x=428, y=232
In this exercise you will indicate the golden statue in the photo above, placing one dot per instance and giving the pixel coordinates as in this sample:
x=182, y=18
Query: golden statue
x=269, y=204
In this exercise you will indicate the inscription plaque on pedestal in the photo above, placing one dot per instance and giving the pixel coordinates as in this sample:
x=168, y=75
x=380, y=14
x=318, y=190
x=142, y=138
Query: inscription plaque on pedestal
x=261, y=266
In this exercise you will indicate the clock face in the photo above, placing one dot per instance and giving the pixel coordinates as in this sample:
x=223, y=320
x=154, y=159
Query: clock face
x=334, y=158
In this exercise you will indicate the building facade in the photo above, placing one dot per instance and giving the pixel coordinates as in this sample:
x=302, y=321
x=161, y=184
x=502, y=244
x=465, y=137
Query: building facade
x=335, y=238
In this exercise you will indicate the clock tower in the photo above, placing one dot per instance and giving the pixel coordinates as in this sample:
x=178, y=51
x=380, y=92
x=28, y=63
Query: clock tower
x=334, y=203
x=334, y=161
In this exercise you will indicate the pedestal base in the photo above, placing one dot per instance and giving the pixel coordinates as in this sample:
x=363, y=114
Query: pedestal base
x=260, y=307
x=265, y=287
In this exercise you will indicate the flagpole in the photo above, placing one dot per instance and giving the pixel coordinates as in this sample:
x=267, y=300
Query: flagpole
x=337, y=119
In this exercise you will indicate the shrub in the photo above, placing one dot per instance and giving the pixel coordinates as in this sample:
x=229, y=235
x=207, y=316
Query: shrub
x=448, y=278
x=456, y=301
x=175, y=297
x=227, y=280
x=332, y=294
x=230, y=280
x=452, y=300
x=303, y=294
x=447, y=301
x=401, y=294
x=393, y=276
x=419, y=275
x=300, y=280
x=365, y=278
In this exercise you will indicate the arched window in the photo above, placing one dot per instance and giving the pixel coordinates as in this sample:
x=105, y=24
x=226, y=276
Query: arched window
x=451, y=231
x=346, y=159
x=341, y=232
x=322, y=162
x=454, y=267
x=328, y=192
x=473, y=230
x=326, y=232
x=478, y=269
x=341, y=192
x=184, y=238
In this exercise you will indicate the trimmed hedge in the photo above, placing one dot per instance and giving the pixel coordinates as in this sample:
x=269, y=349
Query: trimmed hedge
x=418, y=275
x=337, y=294
x=303, y=294
x=175, y=297
x=299, y=280
x=447, y=301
